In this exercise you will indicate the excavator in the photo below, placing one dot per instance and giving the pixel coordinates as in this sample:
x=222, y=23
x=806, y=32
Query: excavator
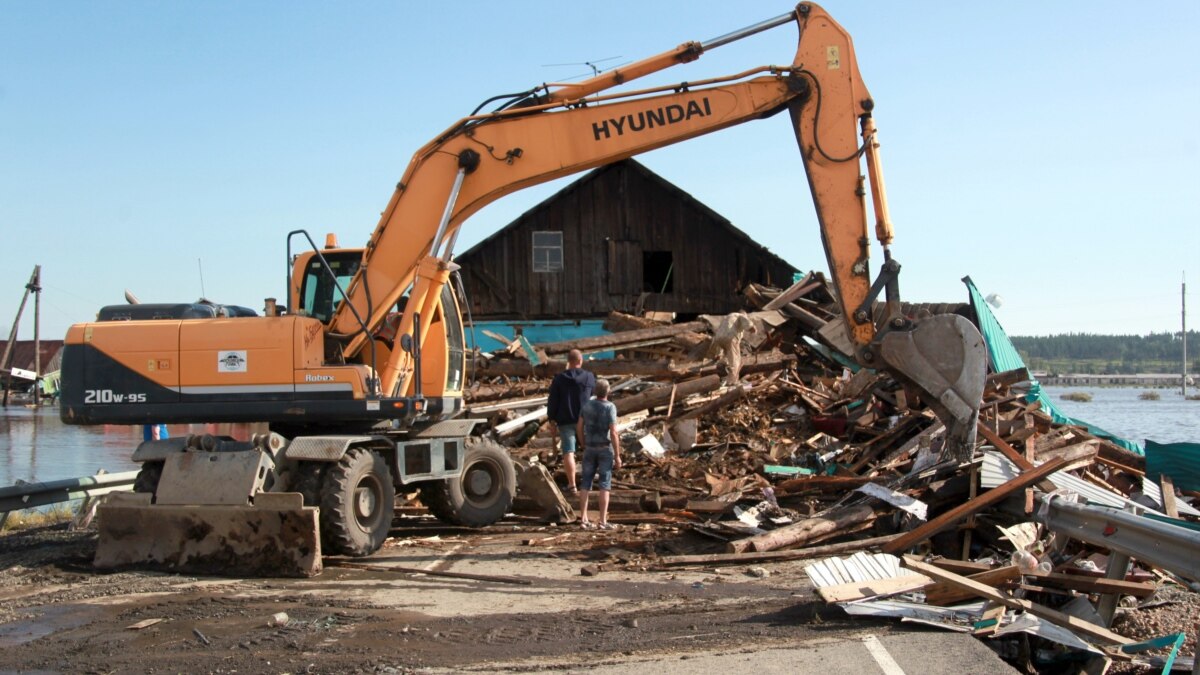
x=359, y=376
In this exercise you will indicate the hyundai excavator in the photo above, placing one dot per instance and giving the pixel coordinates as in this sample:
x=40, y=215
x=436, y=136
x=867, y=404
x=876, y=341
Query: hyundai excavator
x=360, y=375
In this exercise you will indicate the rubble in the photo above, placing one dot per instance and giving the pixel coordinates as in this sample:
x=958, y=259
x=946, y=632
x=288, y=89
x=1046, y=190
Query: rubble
x=788, y=451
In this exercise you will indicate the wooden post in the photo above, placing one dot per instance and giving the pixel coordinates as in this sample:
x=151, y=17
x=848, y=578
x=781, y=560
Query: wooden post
x=969, y=526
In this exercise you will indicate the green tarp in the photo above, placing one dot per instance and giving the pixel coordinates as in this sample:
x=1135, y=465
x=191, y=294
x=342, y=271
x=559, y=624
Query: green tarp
x=1004, y=357
x=1180, y=461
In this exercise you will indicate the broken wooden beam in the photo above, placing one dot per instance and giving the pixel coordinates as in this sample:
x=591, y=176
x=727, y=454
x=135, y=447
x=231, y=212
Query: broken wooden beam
x=805, y=530
x=612, y=341
x=795, y=486
x=943, y=593
x=1040, y=611
x=661, y=395
x=993, y=496
x=598, y=367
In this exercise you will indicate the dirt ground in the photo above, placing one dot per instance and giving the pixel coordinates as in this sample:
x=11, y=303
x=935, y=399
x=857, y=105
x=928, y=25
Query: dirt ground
x=57, y=614
x=534, y=610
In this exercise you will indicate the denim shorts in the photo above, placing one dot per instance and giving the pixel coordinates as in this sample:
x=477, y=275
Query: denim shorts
x=598, y=462
x=566, y=433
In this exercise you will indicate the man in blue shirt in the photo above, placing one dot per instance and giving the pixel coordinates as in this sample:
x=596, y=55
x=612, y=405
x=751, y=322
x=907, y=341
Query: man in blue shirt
x=569, y=390
x=601, y=452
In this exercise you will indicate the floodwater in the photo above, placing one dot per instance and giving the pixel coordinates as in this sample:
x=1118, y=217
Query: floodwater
x=1120, y=411
x=36, y=446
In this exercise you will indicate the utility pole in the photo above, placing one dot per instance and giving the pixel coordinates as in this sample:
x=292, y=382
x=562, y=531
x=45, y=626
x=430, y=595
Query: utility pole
x=6, y=360
x=1183, y=321
x=37, y=339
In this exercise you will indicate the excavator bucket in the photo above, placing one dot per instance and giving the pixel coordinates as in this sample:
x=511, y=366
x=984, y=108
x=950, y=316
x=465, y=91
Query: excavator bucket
x=209, y=514
x=276, y=537
x=944, y=358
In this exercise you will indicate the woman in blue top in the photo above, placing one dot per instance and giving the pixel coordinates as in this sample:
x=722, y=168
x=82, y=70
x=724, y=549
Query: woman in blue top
x=597, y=427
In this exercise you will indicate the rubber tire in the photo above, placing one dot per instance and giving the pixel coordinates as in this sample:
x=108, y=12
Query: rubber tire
x=475, y=499
x=148, y=477
x=343, y=530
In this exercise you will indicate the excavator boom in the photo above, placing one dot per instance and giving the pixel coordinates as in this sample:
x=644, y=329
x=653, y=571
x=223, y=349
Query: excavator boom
x=361, y=381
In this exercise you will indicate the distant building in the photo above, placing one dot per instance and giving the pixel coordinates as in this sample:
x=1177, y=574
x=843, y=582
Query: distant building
x=619, y=238
x=22, y=359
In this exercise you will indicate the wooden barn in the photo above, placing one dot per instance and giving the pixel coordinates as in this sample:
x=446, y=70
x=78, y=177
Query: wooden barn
x=619, y=238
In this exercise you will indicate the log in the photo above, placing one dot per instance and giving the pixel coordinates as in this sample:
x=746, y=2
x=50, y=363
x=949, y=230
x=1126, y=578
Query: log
x=619, y=322
x=598, y=367
x=602, y=343
x=768, y=362
x=660, y=396
x=620, y=501
x=804, y=531
x=773, y=556
x=993, y=496
x=497, y=392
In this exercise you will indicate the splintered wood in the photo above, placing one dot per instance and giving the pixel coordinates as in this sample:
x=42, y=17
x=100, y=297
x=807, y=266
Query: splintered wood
x=770, y=465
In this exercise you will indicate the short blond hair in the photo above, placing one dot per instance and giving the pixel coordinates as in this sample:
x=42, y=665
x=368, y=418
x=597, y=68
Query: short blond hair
x=602, y=388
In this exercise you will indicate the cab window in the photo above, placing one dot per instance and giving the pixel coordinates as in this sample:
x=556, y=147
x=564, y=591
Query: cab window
x=319, y=294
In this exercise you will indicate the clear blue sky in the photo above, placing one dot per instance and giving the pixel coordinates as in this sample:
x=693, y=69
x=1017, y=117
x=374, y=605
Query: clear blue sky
x=1049, y=150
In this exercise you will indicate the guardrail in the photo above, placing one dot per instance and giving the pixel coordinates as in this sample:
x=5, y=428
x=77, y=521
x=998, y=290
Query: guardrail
x=1160, y=544
x=33, y=495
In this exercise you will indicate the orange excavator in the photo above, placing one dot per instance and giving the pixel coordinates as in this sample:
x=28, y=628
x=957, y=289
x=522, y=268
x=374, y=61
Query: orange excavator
x=360, y=376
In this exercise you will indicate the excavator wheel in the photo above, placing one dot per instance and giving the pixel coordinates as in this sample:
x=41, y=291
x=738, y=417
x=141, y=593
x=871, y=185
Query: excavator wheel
x=357, y=504
x=482, y=494
x=148, y=477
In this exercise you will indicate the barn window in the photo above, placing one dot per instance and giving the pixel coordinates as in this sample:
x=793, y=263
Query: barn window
x=658, y=269
x=547, y=252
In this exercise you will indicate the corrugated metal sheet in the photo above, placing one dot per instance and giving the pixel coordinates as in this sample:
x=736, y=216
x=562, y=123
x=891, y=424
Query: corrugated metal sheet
x=997, y=470
x=959, y=618
x=1153, y=490
x=861, y=566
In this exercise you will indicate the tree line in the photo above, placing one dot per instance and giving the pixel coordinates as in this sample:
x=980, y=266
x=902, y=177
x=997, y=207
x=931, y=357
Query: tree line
x=1086, y=352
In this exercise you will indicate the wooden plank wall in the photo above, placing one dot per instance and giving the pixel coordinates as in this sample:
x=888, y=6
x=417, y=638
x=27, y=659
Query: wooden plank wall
x=608, y=219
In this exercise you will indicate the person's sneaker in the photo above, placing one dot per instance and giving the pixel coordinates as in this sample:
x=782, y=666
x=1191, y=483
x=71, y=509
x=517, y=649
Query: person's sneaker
x=607, y=526
x=587, y=525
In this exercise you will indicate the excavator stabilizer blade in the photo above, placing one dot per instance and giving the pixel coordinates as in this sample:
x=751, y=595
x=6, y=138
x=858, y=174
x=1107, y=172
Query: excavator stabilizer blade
x=944, y=358
x=277, y=537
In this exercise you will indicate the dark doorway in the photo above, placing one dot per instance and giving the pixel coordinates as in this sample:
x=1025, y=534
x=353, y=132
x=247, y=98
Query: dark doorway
x=658, y=272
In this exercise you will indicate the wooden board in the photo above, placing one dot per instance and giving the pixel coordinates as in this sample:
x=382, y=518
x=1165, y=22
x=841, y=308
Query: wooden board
x=984, y=591
x=953, y=516
x=943, y=594
x=857, y=590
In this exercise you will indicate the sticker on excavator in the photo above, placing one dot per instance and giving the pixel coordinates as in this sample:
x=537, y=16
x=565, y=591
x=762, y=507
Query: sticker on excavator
x=276, y=537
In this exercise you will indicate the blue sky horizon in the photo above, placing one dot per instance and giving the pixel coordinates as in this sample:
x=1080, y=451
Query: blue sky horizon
x=1044, y=150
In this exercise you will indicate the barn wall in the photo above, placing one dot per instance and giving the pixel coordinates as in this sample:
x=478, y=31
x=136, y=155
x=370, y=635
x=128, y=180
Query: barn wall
x=610, y=220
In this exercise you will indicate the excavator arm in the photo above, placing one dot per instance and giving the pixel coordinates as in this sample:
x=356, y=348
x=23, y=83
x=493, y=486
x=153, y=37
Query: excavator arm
x=571, y=128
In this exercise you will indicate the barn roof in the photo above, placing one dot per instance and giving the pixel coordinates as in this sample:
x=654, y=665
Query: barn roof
x=639, y=168
x=22, y=354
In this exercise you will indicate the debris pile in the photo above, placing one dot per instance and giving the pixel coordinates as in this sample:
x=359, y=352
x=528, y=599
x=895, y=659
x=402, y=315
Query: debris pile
x=756, y=431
